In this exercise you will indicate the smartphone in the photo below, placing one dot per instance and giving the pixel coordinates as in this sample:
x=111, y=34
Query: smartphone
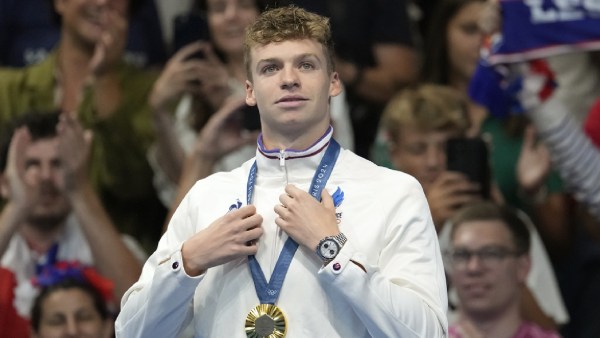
x=250, y=117
x=188, y=28
x=470, y=156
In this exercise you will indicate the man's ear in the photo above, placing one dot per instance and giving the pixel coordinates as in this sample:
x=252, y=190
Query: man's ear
x=250, y=98
x=335, y=85
x=4, y=187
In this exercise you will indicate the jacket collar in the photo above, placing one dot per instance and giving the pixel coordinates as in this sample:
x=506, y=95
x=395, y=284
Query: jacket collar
x=295, y=162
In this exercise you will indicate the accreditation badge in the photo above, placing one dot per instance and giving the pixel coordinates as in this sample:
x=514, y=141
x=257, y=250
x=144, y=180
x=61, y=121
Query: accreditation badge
x=265, y=321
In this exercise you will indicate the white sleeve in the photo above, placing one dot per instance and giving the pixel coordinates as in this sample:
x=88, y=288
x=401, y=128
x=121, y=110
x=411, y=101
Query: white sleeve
x=405, y=295
x=572, y=152
x=160, y=303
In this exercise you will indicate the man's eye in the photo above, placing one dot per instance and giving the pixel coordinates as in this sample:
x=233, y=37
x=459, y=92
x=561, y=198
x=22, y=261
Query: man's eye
x=269, y=69
x=461, y=255
x=306, y=66
x=492, y=254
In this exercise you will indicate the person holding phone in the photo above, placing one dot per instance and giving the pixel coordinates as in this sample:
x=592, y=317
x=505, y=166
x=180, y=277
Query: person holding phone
x=418, y=124
x=203, y=124
x=426, y=129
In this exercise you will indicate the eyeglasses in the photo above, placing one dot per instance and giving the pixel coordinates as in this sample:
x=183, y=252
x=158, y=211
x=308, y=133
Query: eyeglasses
x=487, y=256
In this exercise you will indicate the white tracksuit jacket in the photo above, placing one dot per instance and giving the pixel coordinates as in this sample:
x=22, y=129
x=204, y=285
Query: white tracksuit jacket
x=385, y=217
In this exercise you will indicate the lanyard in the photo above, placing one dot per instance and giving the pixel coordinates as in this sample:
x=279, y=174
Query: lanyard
x=269, y=292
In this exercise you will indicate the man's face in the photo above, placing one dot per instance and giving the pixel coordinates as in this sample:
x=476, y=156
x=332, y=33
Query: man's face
x=490, y=282
x=71, y=313
x=291, y=86
x=43, y=172
x=421, y=154
x=86, y=20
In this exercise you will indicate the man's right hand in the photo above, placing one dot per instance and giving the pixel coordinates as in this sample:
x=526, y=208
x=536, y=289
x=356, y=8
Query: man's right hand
x=449, y=192
x=231, y=236
x=16, y=189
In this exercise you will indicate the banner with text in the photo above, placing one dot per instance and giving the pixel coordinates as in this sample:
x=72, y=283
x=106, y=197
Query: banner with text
x=539, y=28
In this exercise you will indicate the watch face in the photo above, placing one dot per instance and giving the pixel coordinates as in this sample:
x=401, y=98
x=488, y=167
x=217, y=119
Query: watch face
x=329, y=248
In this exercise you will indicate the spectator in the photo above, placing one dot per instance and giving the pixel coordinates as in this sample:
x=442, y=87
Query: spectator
x=71, y=308
x=419, y=123
x=86, y=74
x=489, y=262
x=29, y=30
x=52, y=213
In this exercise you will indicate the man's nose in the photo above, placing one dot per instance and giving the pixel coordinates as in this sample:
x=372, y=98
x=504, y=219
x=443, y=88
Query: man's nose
x=474, y=263
x=46, y=172
x=289, y=78
x=71, y=327
x=435, y=157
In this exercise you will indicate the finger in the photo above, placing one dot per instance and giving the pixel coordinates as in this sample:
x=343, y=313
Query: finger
x=327, y=200
x=243, y=212
x=292, y=190
x=448, y=177
x=281, y=211
x=529, y=137
x=186, y=51
x=210, y=54
x=18, y=143
x=285, y=200
x=251, y=236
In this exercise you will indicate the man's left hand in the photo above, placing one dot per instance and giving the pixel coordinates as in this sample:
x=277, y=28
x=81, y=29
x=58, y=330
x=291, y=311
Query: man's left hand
x=304, y=218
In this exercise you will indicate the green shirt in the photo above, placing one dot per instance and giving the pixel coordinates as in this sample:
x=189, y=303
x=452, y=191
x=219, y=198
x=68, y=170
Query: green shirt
x=119, y=169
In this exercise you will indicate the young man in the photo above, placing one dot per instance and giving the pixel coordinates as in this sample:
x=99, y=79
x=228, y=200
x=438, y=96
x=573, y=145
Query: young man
x=418, y=123
x=367, y=262
x=489, y=263
x=52, y=214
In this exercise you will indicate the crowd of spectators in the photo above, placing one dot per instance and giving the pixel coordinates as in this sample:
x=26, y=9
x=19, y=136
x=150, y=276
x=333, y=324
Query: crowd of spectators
x=106, y=122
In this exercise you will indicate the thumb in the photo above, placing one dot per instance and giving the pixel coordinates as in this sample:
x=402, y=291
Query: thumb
x=326, y=200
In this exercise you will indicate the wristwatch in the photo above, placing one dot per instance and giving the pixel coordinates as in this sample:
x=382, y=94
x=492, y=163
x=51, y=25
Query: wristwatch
x=329, y=247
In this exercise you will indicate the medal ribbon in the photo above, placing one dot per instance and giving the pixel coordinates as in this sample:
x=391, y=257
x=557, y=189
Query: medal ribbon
x=269, y=292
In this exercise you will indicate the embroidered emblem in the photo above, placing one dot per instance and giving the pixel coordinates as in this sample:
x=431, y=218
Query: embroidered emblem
x=338, y=198
x=235, y=205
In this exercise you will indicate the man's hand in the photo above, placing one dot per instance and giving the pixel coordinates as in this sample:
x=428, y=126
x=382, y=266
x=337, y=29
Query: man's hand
x=534, y=163
x=179, y=76
x=22, y=194
x=109, y=49
x=304, y=218
x=449, y=192
x=74, y=147
x=231, y=236
x=222, y=134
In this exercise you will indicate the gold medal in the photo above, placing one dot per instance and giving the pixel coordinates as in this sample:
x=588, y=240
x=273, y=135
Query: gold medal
x=265, y=321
